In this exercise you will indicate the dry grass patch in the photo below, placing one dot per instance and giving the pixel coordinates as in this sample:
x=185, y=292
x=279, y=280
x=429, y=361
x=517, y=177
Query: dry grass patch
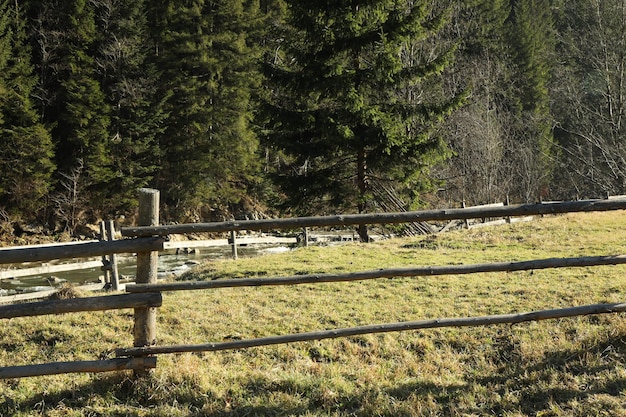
x=568, y=367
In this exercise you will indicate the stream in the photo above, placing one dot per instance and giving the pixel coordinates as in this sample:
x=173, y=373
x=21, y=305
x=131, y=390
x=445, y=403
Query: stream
x=170, y=263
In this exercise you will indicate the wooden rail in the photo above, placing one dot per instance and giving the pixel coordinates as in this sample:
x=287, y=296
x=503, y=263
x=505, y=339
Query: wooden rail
x=107, y=365
x=73, y=305
x=380, y=218
x=383, y=273
x=81, y=250
x=48, y=269
x=380, y=328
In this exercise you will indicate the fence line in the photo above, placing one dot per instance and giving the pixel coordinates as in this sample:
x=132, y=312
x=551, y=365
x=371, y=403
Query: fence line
x=383, y=273
x=380, y=218
x=145, y=295
x=381, y=328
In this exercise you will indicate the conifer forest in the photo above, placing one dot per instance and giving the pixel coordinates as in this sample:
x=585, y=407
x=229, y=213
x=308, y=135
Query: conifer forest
x=245, y=108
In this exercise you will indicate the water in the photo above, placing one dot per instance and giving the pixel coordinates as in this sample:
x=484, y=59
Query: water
x=170, y=263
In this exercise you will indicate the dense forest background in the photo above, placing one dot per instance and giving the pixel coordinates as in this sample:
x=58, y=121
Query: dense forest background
x=244, y=108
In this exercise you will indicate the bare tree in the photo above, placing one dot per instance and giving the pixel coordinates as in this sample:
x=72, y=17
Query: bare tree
x=592, y=97
x=69, y=201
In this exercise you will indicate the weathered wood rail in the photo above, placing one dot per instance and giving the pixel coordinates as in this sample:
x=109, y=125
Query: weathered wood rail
x=74, y=305
x=144, y=297
x=380, y=218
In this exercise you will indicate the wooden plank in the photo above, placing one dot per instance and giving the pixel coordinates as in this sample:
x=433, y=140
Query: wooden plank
x=381, y=328
x=241, y=240
x=46, y=245
x=30, y=296
x=48, y=269
x=384, y=273
x=73, y=305
x=487, y=205
x=40, y=295
x=377, y=218
x=82, y=250
x=107, y=365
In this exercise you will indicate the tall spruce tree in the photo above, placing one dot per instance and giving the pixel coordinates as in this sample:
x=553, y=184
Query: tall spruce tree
x=129, y=80
x=532, y=44
x=26, y=152
x=354, y=99
x=208, y=63
x=72, y=101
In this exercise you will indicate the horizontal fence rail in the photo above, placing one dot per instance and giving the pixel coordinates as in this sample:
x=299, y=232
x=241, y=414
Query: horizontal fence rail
x=54, y=368
x=380, y=328
x=379, y=218
x=383, y=273
x=49, y=269
x=81, y=250
x=74, y=305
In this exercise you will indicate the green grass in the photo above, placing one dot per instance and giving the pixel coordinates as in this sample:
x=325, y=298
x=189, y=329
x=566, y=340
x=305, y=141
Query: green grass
x=567, y=367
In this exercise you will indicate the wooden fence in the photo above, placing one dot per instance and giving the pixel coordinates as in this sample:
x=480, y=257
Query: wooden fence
x=148, y=238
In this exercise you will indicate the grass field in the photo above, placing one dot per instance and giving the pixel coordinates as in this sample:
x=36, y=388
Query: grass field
x=566, y=367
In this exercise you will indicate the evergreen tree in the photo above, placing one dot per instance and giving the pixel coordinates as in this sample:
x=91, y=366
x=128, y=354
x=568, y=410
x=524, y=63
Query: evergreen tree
x=532, y=44
x=26, y=152
x=129, y=80
x=208, y=62
x=354, y=99
x=66, y=38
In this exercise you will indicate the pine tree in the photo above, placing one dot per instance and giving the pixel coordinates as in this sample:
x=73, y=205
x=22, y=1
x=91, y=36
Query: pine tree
x=355, y=99
x=209, y=147
x=26, y=152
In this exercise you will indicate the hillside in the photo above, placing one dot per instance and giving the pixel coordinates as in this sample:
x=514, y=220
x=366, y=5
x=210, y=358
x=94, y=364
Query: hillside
x=568, y=367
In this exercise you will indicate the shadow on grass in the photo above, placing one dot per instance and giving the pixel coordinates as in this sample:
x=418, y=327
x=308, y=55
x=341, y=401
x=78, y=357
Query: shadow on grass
x=561, y=379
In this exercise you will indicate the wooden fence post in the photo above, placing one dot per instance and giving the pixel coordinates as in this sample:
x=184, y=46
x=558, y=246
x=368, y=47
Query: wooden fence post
x=508, y=203
x=147, y=267
x=105, y=261
x=466, y=221
x=115, y=277
x=111, y=276
x=233, y=243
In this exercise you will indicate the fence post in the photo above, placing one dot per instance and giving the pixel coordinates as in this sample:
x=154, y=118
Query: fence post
x=508, y=203
x=466, y=221
x=105, y=261
x=147, y=266
x=233, y=243
x=115, y=277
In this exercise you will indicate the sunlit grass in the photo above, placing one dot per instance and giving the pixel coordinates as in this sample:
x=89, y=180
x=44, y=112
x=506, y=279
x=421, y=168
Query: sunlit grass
x=567, y=367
